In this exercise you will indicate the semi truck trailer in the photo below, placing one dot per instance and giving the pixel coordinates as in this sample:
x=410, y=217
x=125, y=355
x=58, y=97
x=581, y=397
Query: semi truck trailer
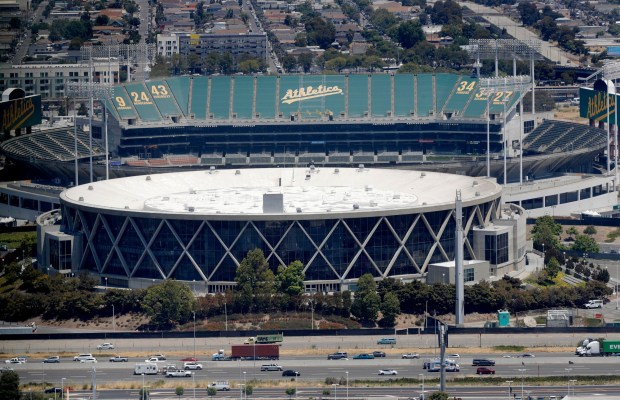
x=255, y=352
x=604, y=347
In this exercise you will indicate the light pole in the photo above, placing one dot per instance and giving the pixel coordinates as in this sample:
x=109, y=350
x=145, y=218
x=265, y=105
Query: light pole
x=143, y=397
x=194, y=312
x=225, y=312
x=574, y=382
x=244, y=385
x=568, y=370
x=194, y=384
x=347, y=372
x=113, y=323
x=509, y=389
x=335, y=385
x=62, y=383
x=106, y=283
x=241, y=390
x=422, y=397
x=522, y=370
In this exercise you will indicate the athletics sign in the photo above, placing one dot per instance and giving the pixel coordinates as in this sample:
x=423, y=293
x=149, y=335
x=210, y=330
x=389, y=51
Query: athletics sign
x=593, y=105
x=20, y=113
x=293, y=96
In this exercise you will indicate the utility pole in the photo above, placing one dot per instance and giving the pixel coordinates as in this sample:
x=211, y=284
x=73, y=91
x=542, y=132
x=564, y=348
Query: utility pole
x=443, y=331
x=459, y=279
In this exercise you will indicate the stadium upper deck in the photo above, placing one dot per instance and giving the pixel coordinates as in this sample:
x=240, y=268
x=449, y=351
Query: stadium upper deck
x=305, y=98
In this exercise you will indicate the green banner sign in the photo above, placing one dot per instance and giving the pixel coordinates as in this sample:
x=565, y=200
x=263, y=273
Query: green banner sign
x=593, y=105
x=20, y=113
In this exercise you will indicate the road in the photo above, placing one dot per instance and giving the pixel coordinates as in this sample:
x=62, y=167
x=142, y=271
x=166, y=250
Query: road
x=24, y=42
x=517, y=31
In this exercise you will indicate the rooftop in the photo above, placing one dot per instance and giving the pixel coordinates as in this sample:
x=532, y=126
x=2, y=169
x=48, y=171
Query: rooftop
x=305, y=191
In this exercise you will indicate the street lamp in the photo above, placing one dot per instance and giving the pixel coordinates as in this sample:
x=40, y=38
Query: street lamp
x=568, y=370
x=422, y=397
x=522, y=370
x=244, y=385
x=241, y=390
x=573, y=382
x=335, y=385
x=106, y=283
x=113, y=322
x=347, y=372
x=62, y=383
x=509, y=389
x=194, y=312
x=194, y=384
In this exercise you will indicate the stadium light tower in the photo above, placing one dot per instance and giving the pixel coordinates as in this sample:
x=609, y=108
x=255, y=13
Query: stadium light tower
x=102, y=92
x=492, y=88
x=611, y=73
x=139, y=53
x=506, y=49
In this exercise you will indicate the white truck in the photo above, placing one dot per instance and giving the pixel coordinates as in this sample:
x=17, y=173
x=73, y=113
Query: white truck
x=590, y=347
x=178, y=373
x=146, y=369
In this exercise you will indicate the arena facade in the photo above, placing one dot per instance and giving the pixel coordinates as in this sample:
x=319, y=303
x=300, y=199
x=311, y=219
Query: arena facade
x=339, y=222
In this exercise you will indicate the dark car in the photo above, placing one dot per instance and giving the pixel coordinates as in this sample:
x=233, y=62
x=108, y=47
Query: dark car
x=290, y=372
x=338, y=356
x=485, y=371
x=52, y=360
x=364, y=356
x=53, y=390
x=479, y=362
x=378, y=353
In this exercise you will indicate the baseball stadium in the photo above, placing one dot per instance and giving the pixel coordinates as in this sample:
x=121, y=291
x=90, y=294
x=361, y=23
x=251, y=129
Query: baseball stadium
x=197, y=226
x=436, y=122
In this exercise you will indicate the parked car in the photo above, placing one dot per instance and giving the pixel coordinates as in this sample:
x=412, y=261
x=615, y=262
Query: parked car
x=88, y=360
x=118, y=359
x=189, y=359
x=192, y=365
x=388, y=372
x=363, y=356
x=82, y=356
x=410, y=355
x=340, y=355
x=485, y=371
x=105, y=346
x=52, y=360
x=53, y=390
x=290, y=372
x=271, y=367
x=386, y=341
x=378, y=353
x=594, y=304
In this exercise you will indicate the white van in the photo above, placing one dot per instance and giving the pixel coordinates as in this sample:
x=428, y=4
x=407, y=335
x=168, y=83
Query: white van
x=594, y=304
x=146, y=369
x=220, y=385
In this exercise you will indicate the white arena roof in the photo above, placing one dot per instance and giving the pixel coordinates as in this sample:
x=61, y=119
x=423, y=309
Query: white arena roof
x=304, y=192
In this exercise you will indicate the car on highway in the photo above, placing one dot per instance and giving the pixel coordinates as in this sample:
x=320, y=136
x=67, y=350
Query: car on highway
x=82, y=356
x=454, y=355
x=452, y=368
x=53, y=390
x=482, y=362
x=410, y=355
x=388, y=372
x=154, y=360
x=220, y=385
x=88, y=360
x=386, y=341
x=14, y=360
x=271, y=367
x=290, y=372
x=169, y=367
x=340, y=355
x=178, y=373
x=118, y=359
x=527, y=355
x=378, y=353
x=6, y=369
x=189, y=359
x=160, y=356
x=105, y=346
x=192, y=365
x=485, y=371
x=363, y=356
x=51, y=360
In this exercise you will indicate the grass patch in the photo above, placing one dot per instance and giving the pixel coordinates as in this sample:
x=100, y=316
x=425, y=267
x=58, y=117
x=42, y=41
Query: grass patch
x=14, y=239
x=611, y=236
x=509, y=348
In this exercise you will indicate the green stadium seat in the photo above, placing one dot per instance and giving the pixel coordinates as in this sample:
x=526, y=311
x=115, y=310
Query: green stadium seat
x=180, y=90
x=163, y=97
x=381, y=95
x=403, y=95
x=198, y=93
x=123, y=106
x=266, y=97
x=444, y=85
x=219, y=100
x=143, y=102
x=424, y=95
x=358, y=96
x=243, y=97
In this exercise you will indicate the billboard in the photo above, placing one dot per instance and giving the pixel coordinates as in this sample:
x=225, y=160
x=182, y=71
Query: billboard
x=20, y=113
x=593, y=105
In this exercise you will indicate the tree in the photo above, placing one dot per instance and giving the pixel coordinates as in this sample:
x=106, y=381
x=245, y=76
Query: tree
x=367, y=302
x=320, y=32
x=409, y=33
x=82, y=110
x=144, y=394
x=102, y=19
x=552, y=268
x=585, y=244
x=438, y=396
x=211, y=391
x=290, y=392
x=256, y=283
x=9, y=385
x=291, y=279
x=546, y=232
x=179, y=391
x=601, y=275
x=572, y=232
x=590, y=230
x=169, y=304
x=390, y=308
x=248, y=390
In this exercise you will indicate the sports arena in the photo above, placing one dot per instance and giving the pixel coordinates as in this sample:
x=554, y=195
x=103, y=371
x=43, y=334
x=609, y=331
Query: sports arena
x=340, y=223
